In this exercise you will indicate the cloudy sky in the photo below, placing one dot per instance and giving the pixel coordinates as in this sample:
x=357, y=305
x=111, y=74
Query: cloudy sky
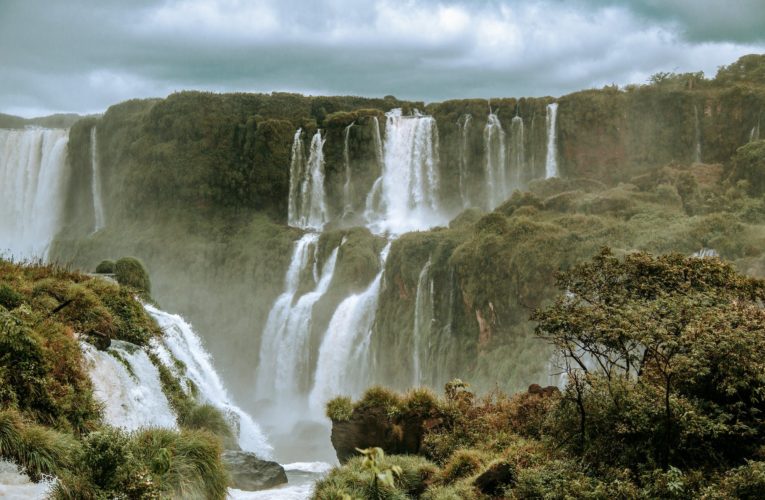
x=83, y=55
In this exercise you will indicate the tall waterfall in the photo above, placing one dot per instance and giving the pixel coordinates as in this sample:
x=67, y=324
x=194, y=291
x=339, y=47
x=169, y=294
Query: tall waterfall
x=518, y=152
x=285, y=348
x=407, y=196
x=347, y=186
x=33, y=178
x=378, y=141
x=343, y=366
x=307, y=205
x=132, y=398
x=464, y=123
x=696, y=135
x=551, y=161
x=181, y=343
x=423, y=321
x=496, y=162
x=98, y=204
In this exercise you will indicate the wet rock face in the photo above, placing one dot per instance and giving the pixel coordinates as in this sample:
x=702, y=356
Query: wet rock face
x=372, y=427
x=250, y=473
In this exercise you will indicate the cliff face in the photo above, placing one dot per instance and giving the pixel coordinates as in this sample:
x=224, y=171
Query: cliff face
x=197, y=185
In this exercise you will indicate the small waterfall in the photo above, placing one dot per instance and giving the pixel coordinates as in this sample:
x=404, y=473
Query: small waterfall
x=378, y=142
x=285, y=353
x=343, y=366
x=754, y=135
x=496, y=164
x=551, y=161
x=297, y=165
x=181, y=343
x=464, y=124
x=705, y=253
x=518, y=152
x=423, y=321
x=98, y=205
x=307, y=206
x=133, y=397
x=347, y=194
x=33, y=178
x=697, y=135
x=409, y=185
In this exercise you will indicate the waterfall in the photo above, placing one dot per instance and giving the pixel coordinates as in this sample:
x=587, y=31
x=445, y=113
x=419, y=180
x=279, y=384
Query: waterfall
x=285, y=350
x=551, y=161
x=423, y=321
x=754, y=135
x=33, y=178
x=343, y=366
x=378, y=142
x=181, y=343
x=464, y=124
x=98, y=205
x=15, y=485
x=133, y=397
x=408, y=196
x=307, y=206
x=496, y=164
x=297, y=165
x=697, y=136
x=347, y=195
x=518, y=152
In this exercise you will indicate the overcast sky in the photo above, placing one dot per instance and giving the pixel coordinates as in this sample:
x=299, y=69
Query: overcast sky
x=84, y=55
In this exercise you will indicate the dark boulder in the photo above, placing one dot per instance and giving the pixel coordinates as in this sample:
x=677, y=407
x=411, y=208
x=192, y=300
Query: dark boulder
x=250, y=473
x=495, y=479
x=372, y=427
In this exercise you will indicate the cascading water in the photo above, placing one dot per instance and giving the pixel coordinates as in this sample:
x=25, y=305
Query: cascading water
x=697, y=135
x=343, y=366
x=754, y=135
x=423, y=321
x=406, y=197
x=495, y=163
x=15, y=485
x=518, y=152
x=378, y=141
x=133, y=397
x=285, y=346
x=98, y=204
x=551, y=160
x=181, y=343
x=464, y=123
x=33, y=178
x=307, y=207
x=347, y=186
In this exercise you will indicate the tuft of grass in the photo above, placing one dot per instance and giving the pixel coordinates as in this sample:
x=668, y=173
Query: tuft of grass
x=209, y=418
x=420, y=402
x=105, y=267
x=379, y=397
x=463, y=463
x=340, y=409
x=43, y=451
x=10, y=438
x=131, y=272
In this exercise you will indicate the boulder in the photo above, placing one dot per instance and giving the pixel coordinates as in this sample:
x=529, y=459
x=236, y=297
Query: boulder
x=372, y=427
x=495, y=479
x=250, y=473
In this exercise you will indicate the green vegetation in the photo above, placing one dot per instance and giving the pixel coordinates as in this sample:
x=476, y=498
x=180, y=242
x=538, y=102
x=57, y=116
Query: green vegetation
x=662, y=356
x=50, y=423
x=131, y=272
x=105, y=267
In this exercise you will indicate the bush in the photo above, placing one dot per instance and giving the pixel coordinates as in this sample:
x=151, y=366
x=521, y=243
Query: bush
x=43, y=451
x=461, y=464
x=131, y=272
x=10, y=298
x=105, y=267
x=340, y=409
x=209, y=418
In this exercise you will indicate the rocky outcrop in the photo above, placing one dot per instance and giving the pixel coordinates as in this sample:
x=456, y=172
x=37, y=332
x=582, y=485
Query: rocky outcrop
x=250, y=473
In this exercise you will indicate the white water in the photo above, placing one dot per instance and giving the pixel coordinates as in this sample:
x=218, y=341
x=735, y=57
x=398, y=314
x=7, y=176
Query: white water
x=696, y=135
x=754, y=135
x=98, y=204
x=297, y=165
x=406, y=198
x=307, y=207
x=347, y=186
x=301, y=477
x=705, y=253
x=378, y=142
x=33, y=178
x=517, y=152
x=551, y=160
x=285, y=350
x=131, y=400
x=495, y=162
x=15, y=485
x=181, y=343
x=464, y=124
x=423, y=321
x=343, y=366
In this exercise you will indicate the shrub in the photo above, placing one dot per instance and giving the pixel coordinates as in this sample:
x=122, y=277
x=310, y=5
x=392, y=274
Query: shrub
x=340, y=409
x=420, y=403
x=43, y=451
x=105, y=267
x=746, y=482
x=379, y=397
x=209, y=418
x=461, y=464
x=10, y=298
x=131, y=272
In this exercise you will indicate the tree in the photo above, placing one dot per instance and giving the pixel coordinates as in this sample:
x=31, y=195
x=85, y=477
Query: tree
x=663, y=357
